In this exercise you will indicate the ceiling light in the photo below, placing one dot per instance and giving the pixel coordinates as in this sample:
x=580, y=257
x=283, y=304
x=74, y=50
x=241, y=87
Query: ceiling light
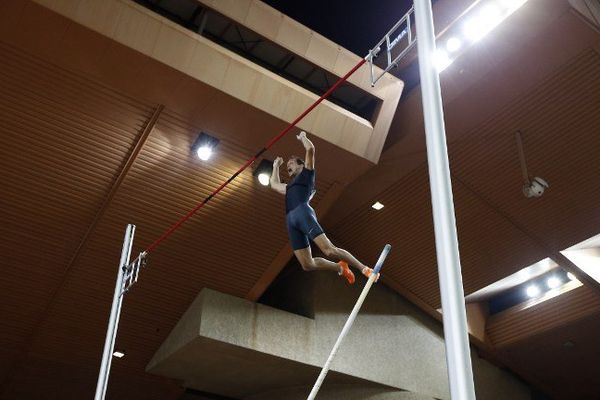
x=264, y=178
x=474, y=29
x=441, y=60
x=204, y=146
x=533, y=291
x=479, y=25
x=571, y=276
x=553, y=282
x=263, y=172
x=204, y=152
x=119, y=354
x=377, y=206
x=490, y=15
x=453, y=44
x=512, y=4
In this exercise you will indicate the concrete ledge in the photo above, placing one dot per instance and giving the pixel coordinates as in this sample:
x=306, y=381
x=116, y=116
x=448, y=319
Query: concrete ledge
x=160, y=39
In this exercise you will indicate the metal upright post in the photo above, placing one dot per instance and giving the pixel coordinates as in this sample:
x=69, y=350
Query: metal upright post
x=458, y=357
x=113, y=322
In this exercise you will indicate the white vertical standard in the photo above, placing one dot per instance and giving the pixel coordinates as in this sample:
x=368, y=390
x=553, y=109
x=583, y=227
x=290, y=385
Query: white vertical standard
x=349, y=322
x=458, y=356
x=115, y=311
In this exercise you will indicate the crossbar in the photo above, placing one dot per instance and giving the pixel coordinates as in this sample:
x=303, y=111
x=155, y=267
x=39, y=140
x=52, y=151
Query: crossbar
x=390, y=44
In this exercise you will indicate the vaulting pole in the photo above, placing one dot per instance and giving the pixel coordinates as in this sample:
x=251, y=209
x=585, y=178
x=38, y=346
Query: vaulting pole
x=115, y=312
x=458, y=357
x=349, y=322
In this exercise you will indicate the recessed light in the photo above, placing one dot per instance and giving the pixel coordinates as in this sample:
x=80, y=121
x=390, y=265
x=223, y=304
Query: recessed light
x=533, y=291
x=119, y=354
x=553, y=282
x=377, y=206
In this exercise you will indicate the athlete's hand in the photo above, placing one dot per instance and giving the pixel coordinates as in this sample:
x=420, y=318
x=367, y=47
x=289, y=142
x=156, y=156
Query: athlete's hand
x=301, y=136
x=278, y=161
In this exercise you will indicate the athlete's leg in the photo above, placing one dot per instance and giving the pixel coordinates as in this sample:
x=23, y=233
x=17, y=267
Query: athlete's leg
x=302, y=224
x=309, y=263
x=334, y=252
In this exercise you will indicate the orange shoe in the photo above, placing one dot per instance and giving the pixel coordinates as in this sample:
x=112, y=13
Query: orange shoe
x=346, y=273
x=368, y=271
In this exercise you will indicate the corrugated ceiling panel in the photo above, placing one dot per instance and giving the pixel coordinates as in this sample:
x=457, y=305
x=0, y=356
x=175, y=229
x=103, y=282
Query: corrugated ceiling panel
x=64, y=140
x=500, y=231
x=510, y=327
x=559, y=121
x=53, y=179
x=488, y=244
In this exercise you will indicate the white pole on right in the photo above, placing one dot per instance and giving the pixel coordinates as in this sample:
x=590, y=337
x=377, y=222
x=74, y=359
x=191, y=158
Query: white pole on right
x=458, y=356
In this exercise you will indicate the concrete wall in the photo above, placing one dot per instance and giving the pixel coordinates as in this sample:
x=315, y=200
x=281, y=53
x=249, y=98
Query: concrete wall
x=405, y=346
x=254, y=351
x=341, y=392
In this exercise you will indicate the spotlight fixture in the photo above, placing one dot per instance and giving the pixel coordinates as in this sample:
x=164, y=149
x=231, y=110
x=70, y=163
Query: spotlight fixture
x=204, y=152
x=263, y=172
x=204, y=146
x=553, y=282
x=533, y=291
x=264, y=178
x=378, y=206
x=119, y=354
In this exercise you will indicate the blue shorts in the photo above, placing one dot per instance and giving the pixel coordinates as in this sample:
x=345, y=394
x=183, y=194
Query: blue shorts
x=302, y=225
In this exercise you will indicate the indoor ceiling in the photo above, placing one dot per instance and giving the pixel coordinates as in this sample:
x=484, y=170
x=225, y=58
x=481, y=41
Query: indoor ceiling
x=81, y=158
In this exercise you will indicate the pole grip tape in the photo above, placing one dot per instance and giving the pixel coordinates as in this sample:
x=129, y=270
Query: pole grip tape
x=382, y=256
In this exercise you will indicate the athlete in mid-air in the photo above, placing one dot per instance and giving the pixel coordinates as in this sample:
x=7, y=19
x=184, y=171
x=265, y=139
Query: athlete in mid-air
x=301, y=219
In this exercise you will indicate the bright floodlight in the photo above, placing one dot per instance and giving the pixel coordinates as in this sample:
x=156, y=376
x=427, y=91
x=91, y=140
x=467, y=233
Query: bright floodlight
x=264, y=178
x=474, y=29
x=512, y=4
x=453, y=44
x=490, y=15
x=484, y=21
x=533, y=291
x=441, y=60
x=119, y=354
x=553, y=282
x=377, y=206
x=204, y=152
